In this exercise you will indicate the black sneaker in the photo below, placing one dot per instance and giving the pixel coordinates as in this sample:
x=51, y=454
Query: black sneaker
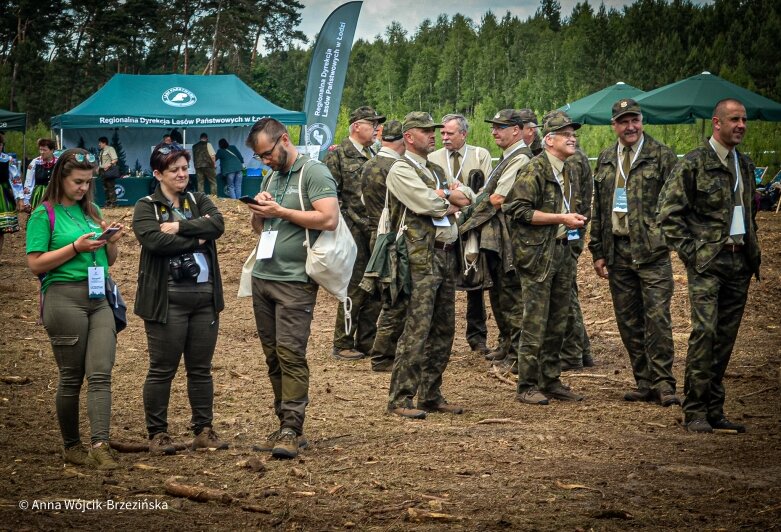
x=588, y=361
x=726, y=424
x=639, y=395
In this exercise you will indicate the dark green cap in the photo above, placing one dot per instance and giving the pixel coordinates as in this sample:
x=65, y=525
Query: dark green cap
x=366, y=113
x=556, y=120
x=625, y=106
x=419, y=119
x=507, y=117
x=391, y=130
x=528, y=117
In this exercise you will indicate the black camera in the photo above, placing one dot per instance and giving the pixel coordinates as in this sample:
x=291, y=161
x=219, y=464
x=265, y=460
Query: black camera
x=183, y=267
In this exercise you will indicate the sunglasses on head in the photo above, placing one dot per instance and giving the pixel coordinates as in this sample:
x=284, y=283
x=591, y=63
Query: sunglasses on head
x=169, y=148
x=80, y=157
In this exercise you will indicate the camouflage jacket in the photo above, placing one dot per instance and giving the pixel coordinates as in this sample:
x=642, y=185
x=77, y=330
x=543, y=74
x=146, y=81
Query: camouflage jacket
x=345, y=164
x=420, y=232
x=578, y=167
x=695, y=208
x=490, y=222
x=644, y=183
x=536, y=189
x=373, y=175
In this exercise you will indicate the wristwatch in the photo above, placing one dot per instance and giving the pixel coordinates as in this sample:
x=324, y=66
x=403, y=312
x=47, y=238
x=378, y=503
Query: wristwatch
x=447, y=192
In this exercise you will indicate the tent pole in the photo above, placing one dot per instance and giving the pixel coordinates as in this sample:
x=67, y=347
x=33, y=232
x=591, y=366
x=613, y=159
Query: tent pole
x=184, y=137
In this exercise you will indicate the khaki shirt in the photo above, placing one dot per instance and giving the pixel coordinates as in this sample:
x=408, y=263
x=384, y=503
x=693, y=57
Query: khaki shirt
x=405, y=184
x=507, y=179
x=108, y=155
x=472, y=158
x=621, y=220
x=558, y=168
x=360, y=147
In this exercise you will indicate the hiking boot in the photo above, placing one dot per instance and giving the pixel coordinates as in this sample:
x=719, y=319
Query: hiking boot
x=639, y=395
x=496, y=354
x=412, y=413
x=481, y=348
x=442, y=407
x=532, y=396
x=102, y=456
x=561, y=393
x=76, y=454
x=566, y=366
x=286, y=446
x=668, y=398
x=161, y=444
x=588, y=361
x=507, y=365
x=346, y=354
x=699, y=425
x=382, y=366
x=726, y=424
x=271, y=440
x=208, y=439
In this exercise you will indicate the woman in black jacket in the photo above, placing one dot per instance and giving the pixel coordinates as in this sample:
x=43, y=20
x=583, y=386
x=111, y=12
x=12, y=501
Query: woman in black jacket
x=179, y=296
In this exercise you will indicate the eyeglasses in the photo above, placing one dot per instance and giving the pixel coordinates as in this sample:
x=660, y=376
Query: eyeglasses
x=80, y=157
x=565, y=134
x=169, y=148
x=266, y=154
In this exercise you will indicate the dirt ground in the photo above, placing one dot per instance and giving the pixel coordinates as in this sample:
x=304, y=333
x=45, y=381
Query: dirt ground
x=603, y=464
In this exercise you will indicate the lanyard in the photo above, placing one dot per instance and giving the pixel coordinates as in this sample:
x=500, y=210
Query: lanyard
x=493, y=172
x=423, y=169
x=278, y=198
x=86, y=224
x=463, y=160
x=735, y=160
x=561, y=184
x=618, y=157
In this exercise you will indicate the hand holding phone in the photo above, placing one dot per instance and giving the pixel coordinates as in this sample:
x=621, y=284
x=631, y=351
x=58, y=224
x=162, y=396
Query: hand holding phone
x=249, y=199
x=108, y=233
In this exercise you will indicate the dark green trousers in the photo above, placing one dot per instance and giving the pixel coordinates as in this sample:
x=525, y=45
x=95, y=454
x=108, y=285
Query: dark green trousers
x=576, y=342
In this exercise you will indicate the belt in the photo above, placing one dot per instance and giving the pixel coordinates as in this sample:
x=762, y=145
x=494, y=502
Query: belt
x=443, y=246
x=733, y=248
x=562, y=241
x=623, y=238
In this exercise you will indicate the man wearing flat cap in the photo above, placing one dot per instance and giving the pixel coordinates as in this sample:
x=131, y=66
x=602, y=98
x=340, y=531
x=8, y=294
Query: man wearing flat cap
x=345, y=162
x=459, y=159
x=629, y=251
x=423, y=202
x=530, y=135
x=542, y=210
x=495, y=242
x=375, y=198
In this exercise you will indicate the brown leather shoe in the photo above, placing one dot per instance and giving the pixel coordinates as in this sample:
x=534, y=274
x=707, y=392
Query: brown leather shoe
x=561, y=393
x=496, y=354
x=532, y=396
x=639, y=395
x=667, y=398
x=443, y=407
x=411, y=413
x=347, y=354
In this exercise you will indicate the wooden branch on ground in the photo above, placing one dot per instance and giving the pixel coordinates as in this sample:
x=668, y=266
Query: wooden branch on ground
x=15, y=379
x=498, y=421
x=763, y=390
x=141, y=447
x=196, y=493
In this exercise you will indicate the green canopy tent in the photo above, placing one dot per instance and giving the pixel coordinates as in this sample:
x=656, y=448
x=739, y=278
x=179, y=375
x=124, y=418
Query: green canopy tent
x=688, y=99
x=10, y=121
x=596, y=108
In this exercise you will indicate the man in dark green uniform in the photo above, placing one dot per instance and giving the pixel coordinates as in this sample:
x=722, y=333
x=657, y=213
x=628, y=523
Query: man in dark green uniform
x=345, y=162
x=423, y=202
x=542, y=211
x=707, y=216
x=628, y=250
x=375, y=198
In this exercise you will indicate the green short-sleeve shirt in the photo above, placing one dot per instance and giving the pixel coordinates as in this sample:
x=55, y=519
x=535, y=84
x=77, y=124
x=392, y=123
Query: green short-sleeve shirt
x=289, y=257
x=69, y=224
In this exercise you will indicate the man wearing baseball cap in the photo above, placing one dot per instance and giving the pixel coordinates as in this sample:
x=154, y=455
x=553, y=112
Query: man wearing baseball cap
x=629, y=251
x=530, y=135
x=423, y=202
x=345, y=162
x=542, y=211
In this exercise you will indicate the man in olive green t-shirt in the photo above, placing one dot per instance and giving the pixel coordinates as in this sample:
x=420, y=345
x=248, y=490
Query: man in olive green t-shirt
x=283, y=296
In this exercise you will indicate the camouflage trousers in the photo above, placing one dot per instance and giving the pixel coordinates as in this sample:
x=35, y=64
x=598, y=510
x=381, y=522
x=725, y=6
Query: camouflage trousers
x=390, y=325
x=545, y=312
x=366, y=307
x=506, y=303
x=424, y=346
x=283, y=316
x=576, y=342
x=718, y=298
x=641, y=301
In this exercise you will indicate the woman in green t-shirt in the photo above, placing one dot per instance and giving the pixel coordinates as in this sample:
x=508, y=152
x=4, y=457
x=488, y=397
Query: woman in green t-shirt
x=62, y=243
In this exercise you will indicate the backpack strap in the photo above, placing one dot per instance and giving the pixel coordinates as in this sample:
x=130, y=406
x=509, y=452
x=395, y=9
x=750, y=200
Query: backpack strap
x=50, y=213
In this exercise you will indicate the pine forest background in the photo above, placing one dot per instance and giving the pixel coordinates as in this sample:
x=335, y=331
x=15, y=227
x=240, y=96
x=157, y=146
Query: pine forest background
x=56, y=53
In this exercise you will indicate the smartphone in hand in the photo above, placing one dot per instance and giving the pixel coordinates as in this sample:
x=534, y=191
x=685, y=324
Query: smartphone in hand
x=249, y=199
x=108, y=233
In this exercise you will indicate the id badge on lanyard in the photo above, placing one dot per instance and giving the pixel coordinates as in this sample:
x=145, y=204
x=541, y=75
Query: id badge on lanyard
x=266, y=246
x=619, y=201
x=96, y=277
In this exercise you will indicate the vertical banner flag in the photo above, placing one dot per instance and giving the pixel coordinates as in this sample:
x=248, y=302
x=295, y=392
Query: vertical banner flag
x=326, y=75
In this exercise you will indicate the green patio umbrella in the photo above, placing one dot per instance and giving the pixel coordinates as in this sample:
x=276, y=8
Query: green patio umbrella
x=596, y=108
x=695, y=97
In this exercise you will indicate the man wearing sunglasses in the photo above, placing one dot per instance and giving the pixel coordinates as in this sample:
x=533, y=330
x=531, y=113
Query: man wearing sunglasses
x=543, y=214
x=345, y=162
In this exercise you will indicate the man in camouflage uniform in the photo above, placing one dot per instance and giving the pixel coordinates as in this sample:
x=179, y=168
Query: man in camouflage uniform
x=495, y=243
x=628, y=250
x=423, y=202
x=576, y=350
x=530, y=135
x=542, y=210
x=707, y=215
x=345, y=162
x=375, y=194
x=459, y=159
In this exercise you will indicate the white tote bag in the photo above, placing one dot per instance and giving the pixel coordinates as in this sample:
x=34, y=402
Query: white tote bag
x=245, y=281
